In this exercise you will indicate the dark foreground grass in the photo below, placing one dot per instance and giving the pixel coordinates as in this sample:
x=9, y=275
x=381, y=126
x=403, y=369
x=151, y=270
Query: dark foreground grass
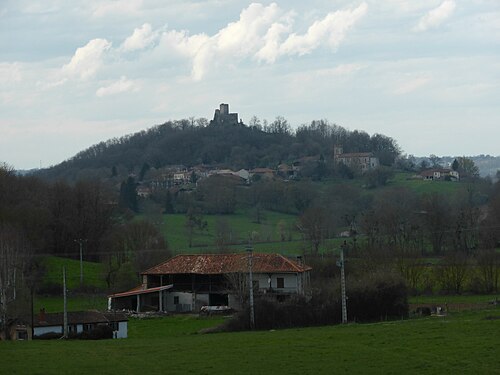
x=464, y=343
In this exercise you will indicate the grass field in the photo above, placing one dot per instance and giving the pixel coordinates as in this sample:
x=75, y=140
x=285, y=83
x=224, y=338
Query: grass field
x=422, y=187
x=74, y=303
x=241, y=224
x=466, y=343
x=92, y=273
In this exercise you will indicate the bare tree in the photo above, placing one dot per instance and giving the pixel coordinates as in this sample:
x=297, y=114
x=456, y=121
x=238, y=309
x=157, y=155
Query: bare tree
x=237, y=284
x=223, y=234
x=488, y=269
x=14, y=257
x=314, y=224
x=453, y=272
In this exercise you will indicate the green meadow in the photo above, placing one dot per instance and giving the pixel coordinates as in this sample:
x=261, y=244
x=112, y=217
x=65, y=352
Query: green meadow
x=465, y=343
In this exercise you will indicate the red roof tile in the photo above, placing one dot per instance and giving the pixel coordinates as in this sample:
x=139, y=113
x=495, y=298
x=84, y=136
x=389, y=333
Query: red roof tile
x=140, y=290
x=205, y=264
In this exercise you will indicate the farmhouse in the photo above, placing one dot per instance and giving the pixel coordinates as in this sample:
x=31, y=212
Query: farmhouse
x=440, y=174
x=80, y=321
x=188, y=282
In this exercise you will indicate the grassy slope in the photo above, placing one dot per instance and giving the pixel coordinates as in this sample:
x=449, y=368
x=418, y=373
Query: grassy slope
x=464, y=343
x=92, y=272
x=422, y=187
x=242, y=223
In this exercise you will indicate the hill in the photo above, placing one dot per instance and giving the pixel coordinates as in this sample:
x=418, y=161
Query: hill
x=232, y=145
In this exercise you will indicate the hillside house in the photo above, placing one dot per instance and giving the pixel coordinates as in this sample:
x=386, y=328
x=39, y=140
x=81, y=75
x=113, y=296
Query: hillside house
x=187, y=282
x=363, y=161
x=143, y=191
x=440, y=174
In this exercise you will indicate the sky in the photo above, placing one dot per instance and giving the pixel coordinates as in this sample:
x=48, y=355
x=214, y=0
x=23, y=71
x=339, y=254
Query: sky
x=74, y=73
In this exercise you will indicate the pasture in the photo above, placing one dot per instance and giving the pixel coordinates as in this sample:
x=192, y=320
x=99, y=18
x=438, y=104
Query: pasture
x=465, y=343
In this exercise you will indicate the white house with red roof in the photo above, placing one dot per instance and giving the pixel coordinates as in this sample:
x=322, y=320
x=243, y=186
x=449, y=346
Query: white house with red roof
x=188, y=282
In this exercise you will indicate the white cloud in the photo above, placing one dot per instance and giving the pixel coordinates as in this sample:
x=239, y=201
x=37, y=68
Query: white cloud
x=272, y=40
x=262, y=33
x=331, y=29
x=87, y=60
x=436, y=16
x=141, y=38
x=120, y=86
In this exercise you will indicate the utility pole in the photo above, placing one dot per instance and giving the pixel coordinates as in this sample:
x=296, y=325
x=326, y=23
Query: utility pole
x=249, y=250
x=65, y=314
x=80, y=241
x=341, y=264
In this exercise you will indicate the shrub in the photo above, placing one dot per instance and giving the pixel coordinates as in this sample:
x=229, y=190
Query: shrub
x=48, y=336
x=98, y=333
x=373, y=298
x=378, y=297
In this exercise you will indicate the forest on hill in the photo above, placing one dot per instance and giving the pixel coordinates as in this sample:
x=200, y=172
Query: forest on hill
x=193, y=142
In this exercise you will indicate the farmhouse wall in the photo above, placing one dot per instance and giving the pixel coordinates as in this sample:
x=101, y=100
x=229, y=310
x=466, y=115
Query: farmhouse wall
x=185, y=302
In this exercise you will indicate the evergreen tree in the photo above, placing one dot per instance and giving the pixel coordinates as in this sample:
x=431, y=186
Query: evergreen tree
x=128, y=194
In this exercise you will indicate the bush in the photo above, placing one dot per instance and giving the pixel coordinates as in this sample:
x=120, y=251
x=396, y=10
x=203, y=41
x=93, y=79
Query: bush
x=373, y=298
x=99, y=333
x=48, y=336
x=378, y=297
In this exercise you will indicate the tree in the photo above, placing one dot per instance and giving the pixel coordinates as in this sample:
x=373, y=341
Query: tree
x=378, y=177
x=169, y=204
x=435, y=161
x=194, y=221
x=128, y=194
x=144, y=169
x=218, y=194
x=488, y=269
x=279, y=126
x=385, y=148
x=453, y=271
x=467, y=168
x=314, y=224
x=14, y=257
x=223, y=234
x=436, y=217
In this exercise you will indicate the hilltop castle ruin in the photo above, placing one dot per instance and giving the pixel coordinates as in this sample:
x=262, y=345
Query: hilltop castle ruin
x=223, y=117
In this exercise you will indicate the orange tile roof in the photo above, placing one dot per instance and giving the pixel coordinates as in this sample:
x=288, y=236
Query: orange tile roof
x=206, y=264
x=140, y=290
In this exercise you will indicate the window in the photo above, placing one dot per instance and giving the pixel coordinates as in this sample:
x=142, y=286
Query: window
x=176, y=300
x=22, y=335
x=72, y=328
x=280, y=281
x=87, y=327
x=114, y=326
